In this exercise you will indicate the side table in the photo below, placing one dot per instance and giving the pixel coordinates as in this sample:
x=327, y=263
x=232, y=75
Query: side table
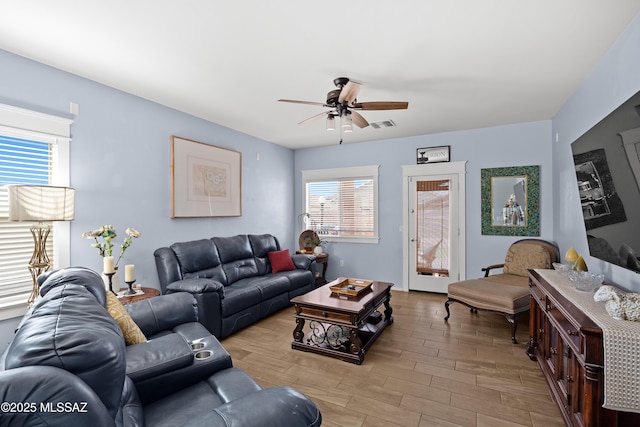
x=322, y=258
x=146, y=293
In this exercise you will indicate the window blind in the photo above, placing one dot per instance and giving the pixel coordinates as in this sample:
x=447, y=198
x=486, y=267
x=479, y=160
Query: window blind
x=342, y=207
x=342, y=203
x=22, y=161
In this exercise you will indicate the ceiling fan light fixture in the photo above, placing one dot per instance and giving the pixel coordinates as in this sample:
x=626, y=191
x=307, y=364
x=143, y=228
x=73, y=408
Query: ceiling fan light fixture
x=342, y=101
x=331, y=122
x=347, y=121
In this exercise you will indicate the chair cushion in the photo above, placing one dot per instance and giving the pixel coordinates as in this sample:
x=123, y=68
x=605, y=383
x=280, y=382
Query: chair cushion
x=281, y=261
x=240, y=296
x=523, y=256
x=489, y=295
x=131, y=331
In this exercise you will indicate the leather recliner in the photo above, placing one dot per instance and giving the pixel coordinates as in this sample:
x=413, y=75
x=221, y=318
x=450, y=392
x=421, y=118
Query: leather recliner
x=233, y=279
x=68, y=365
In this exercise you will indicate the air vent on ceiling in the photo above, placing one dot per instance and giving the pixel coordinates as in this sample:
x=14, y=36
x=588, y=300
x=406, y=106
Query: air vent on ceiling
x=383, y=124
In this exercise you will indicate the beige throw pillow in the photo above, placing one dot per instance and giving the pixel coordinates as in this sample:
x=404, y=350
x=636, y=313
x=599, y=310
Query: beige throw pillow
x=132, y=333
x=522, y=256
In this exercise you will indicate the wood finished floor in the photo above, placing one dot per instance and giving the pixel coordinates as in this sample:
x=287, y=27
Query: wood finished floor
x=421, y=371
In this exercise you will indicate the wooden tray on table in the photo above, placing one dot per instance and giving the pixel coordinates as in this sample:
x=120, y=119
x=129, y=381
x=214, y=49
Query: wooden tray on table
x=351, y=287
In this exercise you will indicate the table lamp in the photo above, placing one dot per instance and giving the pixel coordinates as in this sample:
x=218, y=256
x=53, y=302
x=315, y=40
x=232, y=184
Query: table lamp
x=40, y=203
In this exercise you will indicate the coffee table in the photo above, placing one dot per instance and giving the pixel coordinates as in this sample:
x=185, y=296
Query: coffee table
x=340, y=326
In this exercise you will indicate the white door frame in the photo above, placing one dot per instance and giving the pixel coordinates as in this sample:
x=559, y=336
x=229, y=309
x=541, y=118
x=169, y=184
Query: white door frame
x=432, y=169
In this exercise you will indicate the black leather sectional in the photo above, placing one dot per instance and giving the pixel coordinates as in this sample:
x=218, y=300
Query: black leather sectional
x=68, y=365
x=231, y=278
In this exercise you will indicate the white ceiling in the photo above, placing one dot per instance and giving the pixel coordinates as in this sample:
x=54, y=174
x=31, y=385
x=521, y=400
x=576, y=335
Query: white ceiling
x=461, y=64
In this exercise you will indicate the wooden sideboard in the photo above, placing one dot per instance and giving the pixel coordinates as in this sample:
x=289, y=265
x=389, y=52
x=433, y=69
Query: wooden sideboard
x=568, y=347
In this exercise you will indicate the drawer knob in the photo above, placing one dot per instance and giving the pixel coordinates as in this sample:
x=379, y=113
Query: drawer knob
x=571, y=332
x=324, y=314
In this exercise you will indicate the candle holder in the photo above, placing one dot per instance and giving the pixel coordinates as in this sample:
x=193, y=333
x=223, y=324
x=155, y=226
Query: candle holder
x=130, y=284
x=110, y=276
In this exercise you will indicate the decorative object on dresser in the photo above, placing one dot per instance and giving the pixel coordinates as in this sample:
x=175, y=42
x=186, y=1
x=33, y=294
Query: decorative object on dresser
x=40, y=204
x=506, y=293
x=619, y=305
x=588, y=359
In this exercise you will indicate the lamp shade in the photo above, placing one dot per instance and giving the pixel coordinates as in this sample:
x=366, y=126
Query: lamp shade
x=40, y=203
x=331, y=122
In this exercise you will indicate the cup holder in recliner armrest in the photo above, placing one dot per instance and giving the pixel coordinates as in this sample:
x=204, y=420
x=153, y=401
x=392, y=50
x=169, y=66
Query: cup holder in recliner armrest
x=203, y=354
x=198, y=344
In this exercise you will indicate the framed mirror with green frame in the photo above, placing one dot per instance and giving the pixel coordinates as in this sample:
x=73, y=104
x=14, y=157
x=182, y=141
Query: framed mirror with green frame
x=510, y=201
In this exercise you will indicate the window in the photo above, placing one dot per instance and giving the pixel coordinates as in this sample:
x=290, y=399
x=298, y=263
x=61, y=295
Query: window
x=34, y=149
x=342, y=203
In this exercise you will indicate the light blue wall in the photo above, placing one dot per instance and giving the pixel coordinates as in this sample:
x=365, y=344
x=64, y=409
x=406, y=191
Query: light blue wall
x=514, y=145
x=120, y=156
x=120, y=167
x=615, y=78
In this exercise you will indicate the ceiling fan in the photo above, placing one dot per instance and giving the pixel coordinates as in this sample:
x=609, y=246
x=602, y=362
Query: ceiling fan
x=343, y=103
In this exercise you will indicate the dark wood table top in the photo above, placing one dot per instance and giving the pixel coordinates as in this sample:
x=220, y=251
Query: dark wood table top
x=147, y=293
x=322, y=297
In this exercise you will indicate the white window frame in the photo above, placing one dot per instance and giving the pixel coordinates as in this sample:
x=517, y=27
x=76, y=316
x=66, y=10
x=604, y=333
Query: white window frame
x=355, y=172
x=33, y=125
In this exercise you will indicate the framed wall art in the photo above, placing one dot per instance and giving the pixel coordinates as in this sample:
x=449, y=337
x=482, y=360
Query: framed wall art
x=510, y=201
x=206, y=181
x=433, y=154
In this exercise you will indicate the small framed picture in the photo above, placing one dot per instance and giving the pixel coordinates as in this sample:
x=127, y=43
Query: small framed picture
x=433, y=154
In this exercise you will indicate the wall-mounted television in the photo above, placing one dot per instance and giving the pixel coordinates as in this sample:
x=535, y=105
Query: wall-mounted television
x=607, y=162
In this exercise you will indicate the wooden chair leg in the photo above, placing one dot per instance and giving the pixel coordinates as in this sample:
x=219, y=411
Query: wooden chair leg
x=513, y=319
x=446, y=307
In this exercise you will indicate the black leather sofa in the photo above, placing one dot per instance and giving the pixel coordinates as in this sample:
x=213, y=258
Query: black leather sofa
x=68, y=365
x=232, y=278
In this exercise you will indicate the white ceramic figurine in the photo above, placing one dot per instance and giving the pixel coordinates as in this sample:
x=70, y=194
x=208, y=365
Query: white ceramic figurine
x=619, y=305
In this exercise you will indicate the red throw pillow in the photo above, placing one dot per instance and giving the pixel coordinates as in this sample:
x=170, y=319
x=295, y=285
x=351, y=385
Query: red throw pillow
x=281, y=261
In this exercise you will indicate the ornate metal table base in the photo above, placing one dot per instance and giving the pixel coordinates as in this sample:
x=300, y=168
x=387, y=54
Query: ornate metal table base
x=341, y=328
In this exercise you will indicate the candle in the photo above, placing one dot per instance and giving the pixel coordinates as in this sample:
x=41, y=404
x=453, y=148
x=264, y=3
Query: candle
x=129, y=273
x=108, y=265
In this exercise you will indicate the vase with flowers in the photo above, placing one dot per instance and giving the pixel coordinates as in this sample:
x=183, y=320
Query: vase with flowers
x=103, y=238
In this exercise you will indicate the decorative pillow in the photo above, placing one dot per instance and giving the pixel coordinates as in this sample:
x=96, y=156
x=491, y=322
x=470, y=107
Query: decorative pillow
x=522, y=256
x=281, y=261
x=131, y=331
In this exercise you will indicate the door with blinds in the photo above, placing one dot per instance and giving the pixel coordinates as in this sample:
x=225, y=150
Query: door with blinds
x=435, y=246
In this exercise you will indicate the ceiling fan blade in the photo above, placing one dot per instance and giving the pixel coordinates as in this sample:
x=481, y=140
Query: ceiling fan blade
x=382, y=105
x=312, y=118
x=301, y=102
x=358, y=120
x=349, y=92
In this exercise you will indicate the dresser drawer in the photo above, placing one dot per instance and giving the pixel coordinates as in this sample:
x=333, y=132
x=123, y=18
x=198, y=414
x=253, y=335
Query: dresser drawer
x=569, y=332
